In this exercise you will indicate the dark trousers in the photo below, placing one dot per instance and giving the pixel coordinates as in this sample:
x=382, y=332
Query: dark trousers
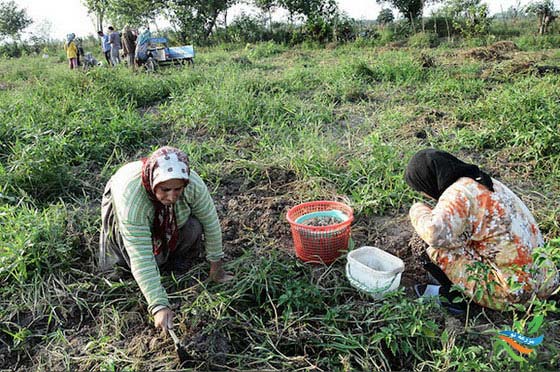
x=108, y=57
x=446, y=291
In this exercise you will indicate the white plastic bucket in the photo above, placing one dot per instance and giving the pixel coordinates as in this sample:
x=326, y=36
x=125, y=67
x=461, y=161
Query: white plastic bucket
x=374, y=271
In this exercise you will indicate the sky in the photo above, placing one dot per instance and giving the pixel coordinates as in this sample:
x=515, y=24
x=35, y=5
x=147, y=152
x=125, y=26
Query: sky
x=60, y=17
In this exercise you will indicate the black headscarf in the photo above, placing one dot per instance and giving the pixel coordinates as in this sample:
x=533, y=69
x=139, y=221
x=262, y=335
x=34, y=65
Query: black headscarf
x=432, y=171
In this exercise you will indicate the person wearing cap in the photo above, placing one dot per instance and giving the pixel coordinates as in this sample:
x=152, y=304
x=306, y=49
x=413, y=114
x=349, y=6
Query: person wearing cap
x=481, y=237
x=157, y=214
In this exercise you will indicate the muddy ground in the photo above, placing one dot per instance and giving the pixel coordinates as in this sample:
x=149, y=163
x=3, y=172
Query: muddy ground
x=253, y=214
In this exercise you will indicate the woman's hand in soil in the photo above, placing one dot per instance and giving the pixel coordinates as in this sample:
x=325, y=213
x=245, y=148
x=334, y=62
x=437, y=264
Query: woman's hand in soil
x=218, y=274
x=164, y=319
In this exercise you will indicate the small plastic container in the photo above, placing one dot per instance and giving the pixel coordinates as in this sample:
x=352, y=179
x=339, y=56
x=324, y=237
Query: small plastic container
x=320, y=244
x=374, y=271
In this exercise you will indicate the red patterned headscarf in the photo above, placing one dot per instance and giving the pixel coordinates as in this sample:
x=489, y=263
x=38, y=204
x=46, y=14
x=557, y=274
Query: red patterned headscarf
x=164, y=164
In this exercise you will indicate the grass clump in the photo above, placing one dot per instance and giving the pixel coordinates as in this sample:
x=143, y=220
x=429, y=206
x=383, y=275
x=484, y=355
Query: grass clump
x=37, y=245
x=263, y=50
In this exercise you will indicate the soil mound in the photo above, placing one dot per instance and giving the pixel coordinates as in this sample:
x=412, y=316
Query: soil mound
x=494, y=52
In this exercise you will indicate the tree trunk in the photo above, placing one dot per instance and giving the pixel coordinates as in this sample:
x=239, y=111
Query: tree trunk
x=541, y=24
x=99, y=21
x=210, y=26
x=546, y=22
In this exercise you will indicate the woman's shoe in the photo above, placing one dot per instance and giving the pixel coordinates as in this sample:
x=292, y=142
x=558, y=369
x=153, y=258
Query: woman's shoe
x=429, y=291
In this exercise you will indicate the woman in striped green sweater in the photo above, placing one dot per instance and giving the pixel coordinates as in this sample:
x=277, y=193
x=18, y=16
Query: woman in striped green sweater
x=158, y=214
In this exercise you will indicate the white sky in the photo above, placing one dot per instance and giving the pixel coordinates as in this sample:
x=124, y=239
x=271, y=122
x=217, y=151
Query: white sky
x=63, y=16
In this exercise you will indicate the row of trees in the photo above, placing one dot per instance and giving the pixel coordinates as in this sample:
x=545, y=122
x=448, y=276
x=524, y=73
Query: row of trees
x=198, y=19
x=469, y=16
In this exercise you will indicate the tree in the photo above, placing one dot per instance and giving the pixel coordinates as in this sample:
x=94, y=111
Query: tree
x=544, y=10
x=469, y=16
x=135, y=12
x=410, y=9
x=266, y=6
x=99, y=8
x=385, y=16
x=310, y=8
x=12, y=20
x=196, y=19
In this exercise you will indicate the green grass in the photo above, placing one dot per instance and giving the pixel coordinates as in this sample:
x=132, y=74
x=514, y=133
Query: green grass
x=342, y=123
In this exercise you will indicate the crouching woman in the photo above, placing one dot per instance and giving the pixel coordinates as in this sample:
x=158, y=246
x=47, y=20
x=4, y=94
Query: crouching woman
x=481, y=236
x=155, y=213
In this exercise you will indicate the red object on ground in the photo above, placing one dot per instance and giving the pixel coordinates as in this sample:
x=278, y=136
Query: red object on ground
x=320, y=243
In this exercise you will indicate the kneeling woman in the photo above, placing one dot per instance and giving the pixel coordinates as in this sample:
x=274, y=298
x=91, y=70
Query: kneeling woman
x=481, y=236
x=154, y=214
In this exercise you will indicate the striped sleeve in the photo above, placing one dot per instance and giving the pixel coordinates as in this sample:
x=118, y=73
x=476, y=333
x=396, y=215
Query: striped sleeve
x=138, y=243
x=133, y=212
x=203, y=208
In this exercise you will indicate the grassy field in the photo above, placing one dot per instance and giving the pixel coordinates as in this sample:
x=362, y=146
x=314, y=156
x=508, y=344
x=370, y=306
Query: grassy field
x=267, y=127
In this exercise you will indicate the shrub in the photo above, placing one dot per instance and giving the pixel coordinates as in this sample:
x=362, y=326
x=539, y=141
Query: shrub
x=423, y=40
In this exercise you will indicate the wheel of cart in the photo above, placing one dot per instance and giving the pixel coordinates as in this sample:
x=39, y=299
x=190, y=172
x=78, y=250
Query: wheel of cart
x=150, y=65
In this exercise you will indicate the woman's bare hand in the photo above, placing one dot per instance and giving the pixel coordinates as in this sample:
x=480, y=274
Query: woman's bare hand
x=218, y=274
x=164, y=319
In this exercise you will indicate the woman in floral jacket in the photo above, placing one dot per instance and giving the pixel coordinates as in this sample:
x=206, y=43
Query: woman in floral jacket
x=481, y=236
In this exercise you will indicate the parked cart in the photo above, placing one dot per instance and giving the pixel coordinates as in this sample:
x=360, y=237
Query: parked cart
x=162, y=54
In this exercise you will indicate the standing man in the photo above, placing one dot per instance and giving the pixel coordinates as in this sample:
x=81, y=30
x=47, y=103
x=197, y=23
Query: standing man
x=129, y=45
x=105, y=46
x=115, y=42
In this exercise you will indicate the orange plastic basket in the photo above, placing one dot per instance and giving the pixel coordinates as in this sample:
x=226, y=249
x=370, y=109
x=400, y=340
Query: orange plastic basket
x=320, y=243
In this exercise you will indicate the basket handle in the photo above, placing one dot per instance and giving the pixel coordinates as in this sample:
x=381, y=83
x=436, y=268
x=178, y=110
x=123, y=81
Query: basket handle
x=379, y=290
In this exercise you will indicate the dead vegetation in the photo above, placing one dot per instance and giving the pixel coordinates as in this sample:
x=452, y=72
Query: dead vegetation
x=495, y=52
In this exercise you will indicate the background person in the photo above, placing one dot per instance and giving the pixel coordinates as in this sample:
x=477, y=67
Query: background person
x=478, y=228
x=105, y=47
x=115, y=42
x=154, y=213
x=80, y=48
x=129, y=45
x=71, y=51
x=143, y=41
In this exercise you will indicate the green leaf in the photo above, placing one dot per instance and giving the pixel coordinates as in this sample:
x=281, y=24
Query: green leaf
x=511, y=353
x=535, y=324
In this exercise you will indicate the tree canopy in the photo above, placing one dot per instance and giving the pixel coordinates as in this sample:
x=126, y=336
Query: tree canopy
x=13, y=20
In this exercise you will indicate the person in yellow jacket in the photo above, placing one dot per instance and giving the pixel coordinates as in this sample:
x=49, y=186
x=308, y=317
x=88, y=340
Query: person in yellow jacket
x=71, y=51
